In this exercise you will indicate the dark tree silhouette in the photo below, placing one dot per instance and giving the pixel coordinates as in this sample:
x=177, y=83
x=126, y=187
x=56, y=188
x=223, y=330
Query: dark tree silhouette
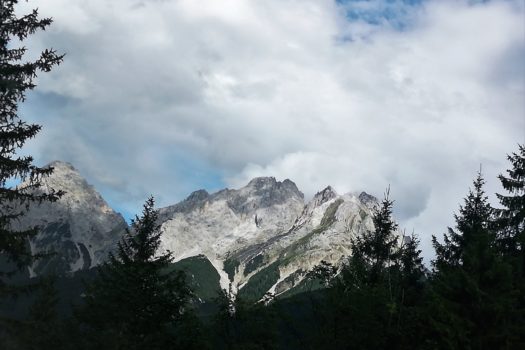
x=136, y=301
x=378, y=248
x=16, y=77
x=471, y=282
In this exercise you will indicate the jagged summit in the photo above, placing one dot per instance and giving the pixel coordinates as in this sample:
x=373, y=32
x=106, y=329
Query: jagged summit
x=262, y=181
x=193, y=201
x=323, y=196
x=261, y=184
x=368, y=199
x=260, y=192
x=198, y=195
x=67, y=178
x=80, y=227
x=60, y=164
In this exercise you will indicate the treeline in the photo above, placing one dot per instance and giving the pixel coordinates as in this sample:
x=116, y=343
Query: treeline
x=381, y=297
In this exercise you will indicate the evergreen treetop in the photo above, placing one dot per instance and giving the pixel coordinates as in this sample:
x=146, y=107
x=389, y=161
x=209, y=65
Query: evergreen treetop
x=378, y=248
x=472, y=229
x=471, y=283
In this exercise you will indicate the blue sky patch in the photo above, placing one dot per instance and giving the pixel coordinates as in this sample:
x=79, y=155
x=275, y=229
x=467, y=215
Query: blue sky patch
x=395, y=13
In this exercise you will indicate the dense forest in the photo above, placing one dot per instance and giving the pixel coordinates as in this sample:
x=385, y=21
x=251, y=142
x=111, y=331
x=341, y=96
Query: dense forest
x=382, y=297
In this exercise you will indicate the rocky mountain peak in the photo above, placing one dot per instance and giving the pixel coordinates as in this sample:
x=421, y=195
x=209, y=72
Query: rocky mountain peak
x=270, y=186
x=59, y=164
x=261, y=182
x=290, y=186
x=193, y=201
x=67, y=178
x=267, y=182
x=368, y=200
x=81, y=227
x=324, y=196
x=198, y=195
x=261, y=192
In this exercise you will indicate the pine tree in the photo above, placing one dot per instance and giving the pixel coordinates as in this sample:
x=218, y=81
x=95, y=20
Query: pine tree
x=410, y=279
x=470, y=281
x=465, y=246
x=378, y=248
x=410, y=261
x=136, y=301
x=367, y=288
x=17, y=77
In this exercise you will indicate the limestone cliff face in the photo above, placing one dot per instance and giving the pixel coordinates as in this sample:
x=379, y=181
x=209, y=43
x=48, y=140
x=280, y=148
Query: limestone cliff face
x=265, y=224
x=80, y=228
x=217, y=224
x=322, y=232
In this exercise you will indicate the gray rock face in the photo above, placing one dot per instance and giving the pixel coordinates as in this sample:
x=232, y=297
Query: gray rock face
x=215, y=224
x=323, y=231
x=368, y=199
x=194, y=201
x=261, y=192
x=263, y=226
x=80, y=228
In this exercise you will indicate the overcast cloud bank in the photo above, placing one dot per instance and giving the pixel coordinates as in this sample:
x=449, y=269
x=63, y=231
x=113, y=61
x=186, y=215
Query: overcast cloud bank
x=166, y=97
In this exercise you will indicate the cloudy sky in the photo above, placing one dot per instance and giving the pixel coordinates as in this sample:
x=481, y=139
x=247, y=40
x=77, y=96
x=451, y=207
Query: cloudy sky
x=164, y=97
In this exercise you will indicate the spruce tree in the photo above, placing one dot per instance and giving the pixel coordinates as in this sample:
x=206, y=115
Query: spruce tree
x=411, y=262
x=367, y=288
x=16, y=78
x=472, y=284
x=136, y=301
x=410, y=279
x=378, y=248
x=473, y=238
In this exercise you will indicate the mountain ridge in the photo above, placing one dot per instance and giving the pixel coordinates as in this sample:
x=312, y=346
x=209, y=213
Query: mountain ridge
x=264, y=232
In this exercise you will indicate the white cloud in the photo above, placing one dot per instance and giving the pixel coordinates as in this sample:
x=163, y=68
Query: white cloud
x=155, y=94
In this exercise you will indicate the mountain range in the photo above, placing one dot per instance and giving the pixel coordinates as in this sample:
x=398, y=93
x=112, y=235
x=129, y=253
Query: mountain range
x=263, y=237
